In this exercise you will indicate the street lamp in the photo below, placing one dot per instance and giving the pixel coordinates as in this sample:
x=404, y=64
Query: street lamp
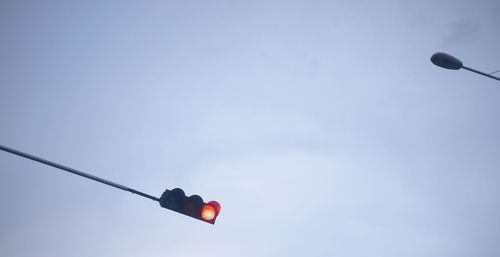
x=447, y=61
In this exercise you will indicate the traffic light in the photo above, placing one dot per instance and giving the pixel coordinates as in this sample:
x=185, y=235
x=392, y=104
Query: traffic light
x=174, y=200
x=192, y=206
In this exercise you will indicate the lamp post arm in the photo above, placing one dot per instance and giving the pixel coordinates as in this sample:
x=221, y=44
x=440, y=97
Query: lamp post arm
x=481, y=73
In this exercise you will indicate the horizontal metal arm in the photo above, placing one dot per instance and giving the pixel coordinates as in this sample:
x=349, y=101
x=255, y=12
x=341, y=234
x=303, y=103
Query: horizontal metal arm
x=76, y=172
x=481, y=73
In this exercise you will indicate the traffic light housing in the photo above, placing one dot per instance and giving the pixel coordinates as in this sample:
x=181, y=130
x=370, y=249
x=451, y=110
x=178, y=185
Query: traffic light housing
x=192, y=206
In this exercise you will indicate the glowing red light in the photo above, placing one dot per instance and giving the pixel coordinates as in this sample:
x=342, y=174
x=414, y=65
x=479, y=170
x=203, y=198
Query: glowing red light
x=216, y=206
x=208, y=212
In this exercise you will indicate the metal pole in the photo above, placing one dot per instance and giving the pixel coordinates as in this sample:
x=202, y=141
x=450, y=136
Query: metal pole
x=77, y=172
x=481, y=73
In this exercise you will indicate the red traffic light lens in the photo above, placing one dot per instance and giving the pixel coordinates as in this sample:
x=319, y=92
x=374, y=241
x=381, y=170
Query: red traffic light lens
x=208, y=212
x=216, y=206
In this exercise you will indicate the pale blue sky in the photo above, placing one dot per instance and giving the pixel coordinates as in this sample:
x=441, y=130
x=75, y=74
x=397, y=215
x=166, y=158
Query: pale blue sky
x=320, y=126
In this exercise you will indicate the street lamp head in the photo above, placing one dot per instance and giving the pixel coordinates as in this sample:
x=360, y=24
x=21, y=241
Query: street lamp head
x=446, y=61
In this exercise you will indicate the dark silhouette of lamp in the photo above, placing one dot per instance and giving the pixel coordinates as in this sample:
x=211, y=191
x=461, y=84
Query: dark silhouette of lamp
x=447, y=61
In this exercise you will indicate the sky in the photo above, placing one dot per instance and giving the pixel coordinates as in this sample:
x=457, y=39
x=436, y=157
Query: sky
x=321, y=127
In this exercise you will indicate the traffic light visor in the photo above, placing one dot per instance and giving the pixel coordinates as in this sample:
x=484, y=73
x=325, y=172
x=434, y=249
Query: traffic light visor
x=216, y=206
